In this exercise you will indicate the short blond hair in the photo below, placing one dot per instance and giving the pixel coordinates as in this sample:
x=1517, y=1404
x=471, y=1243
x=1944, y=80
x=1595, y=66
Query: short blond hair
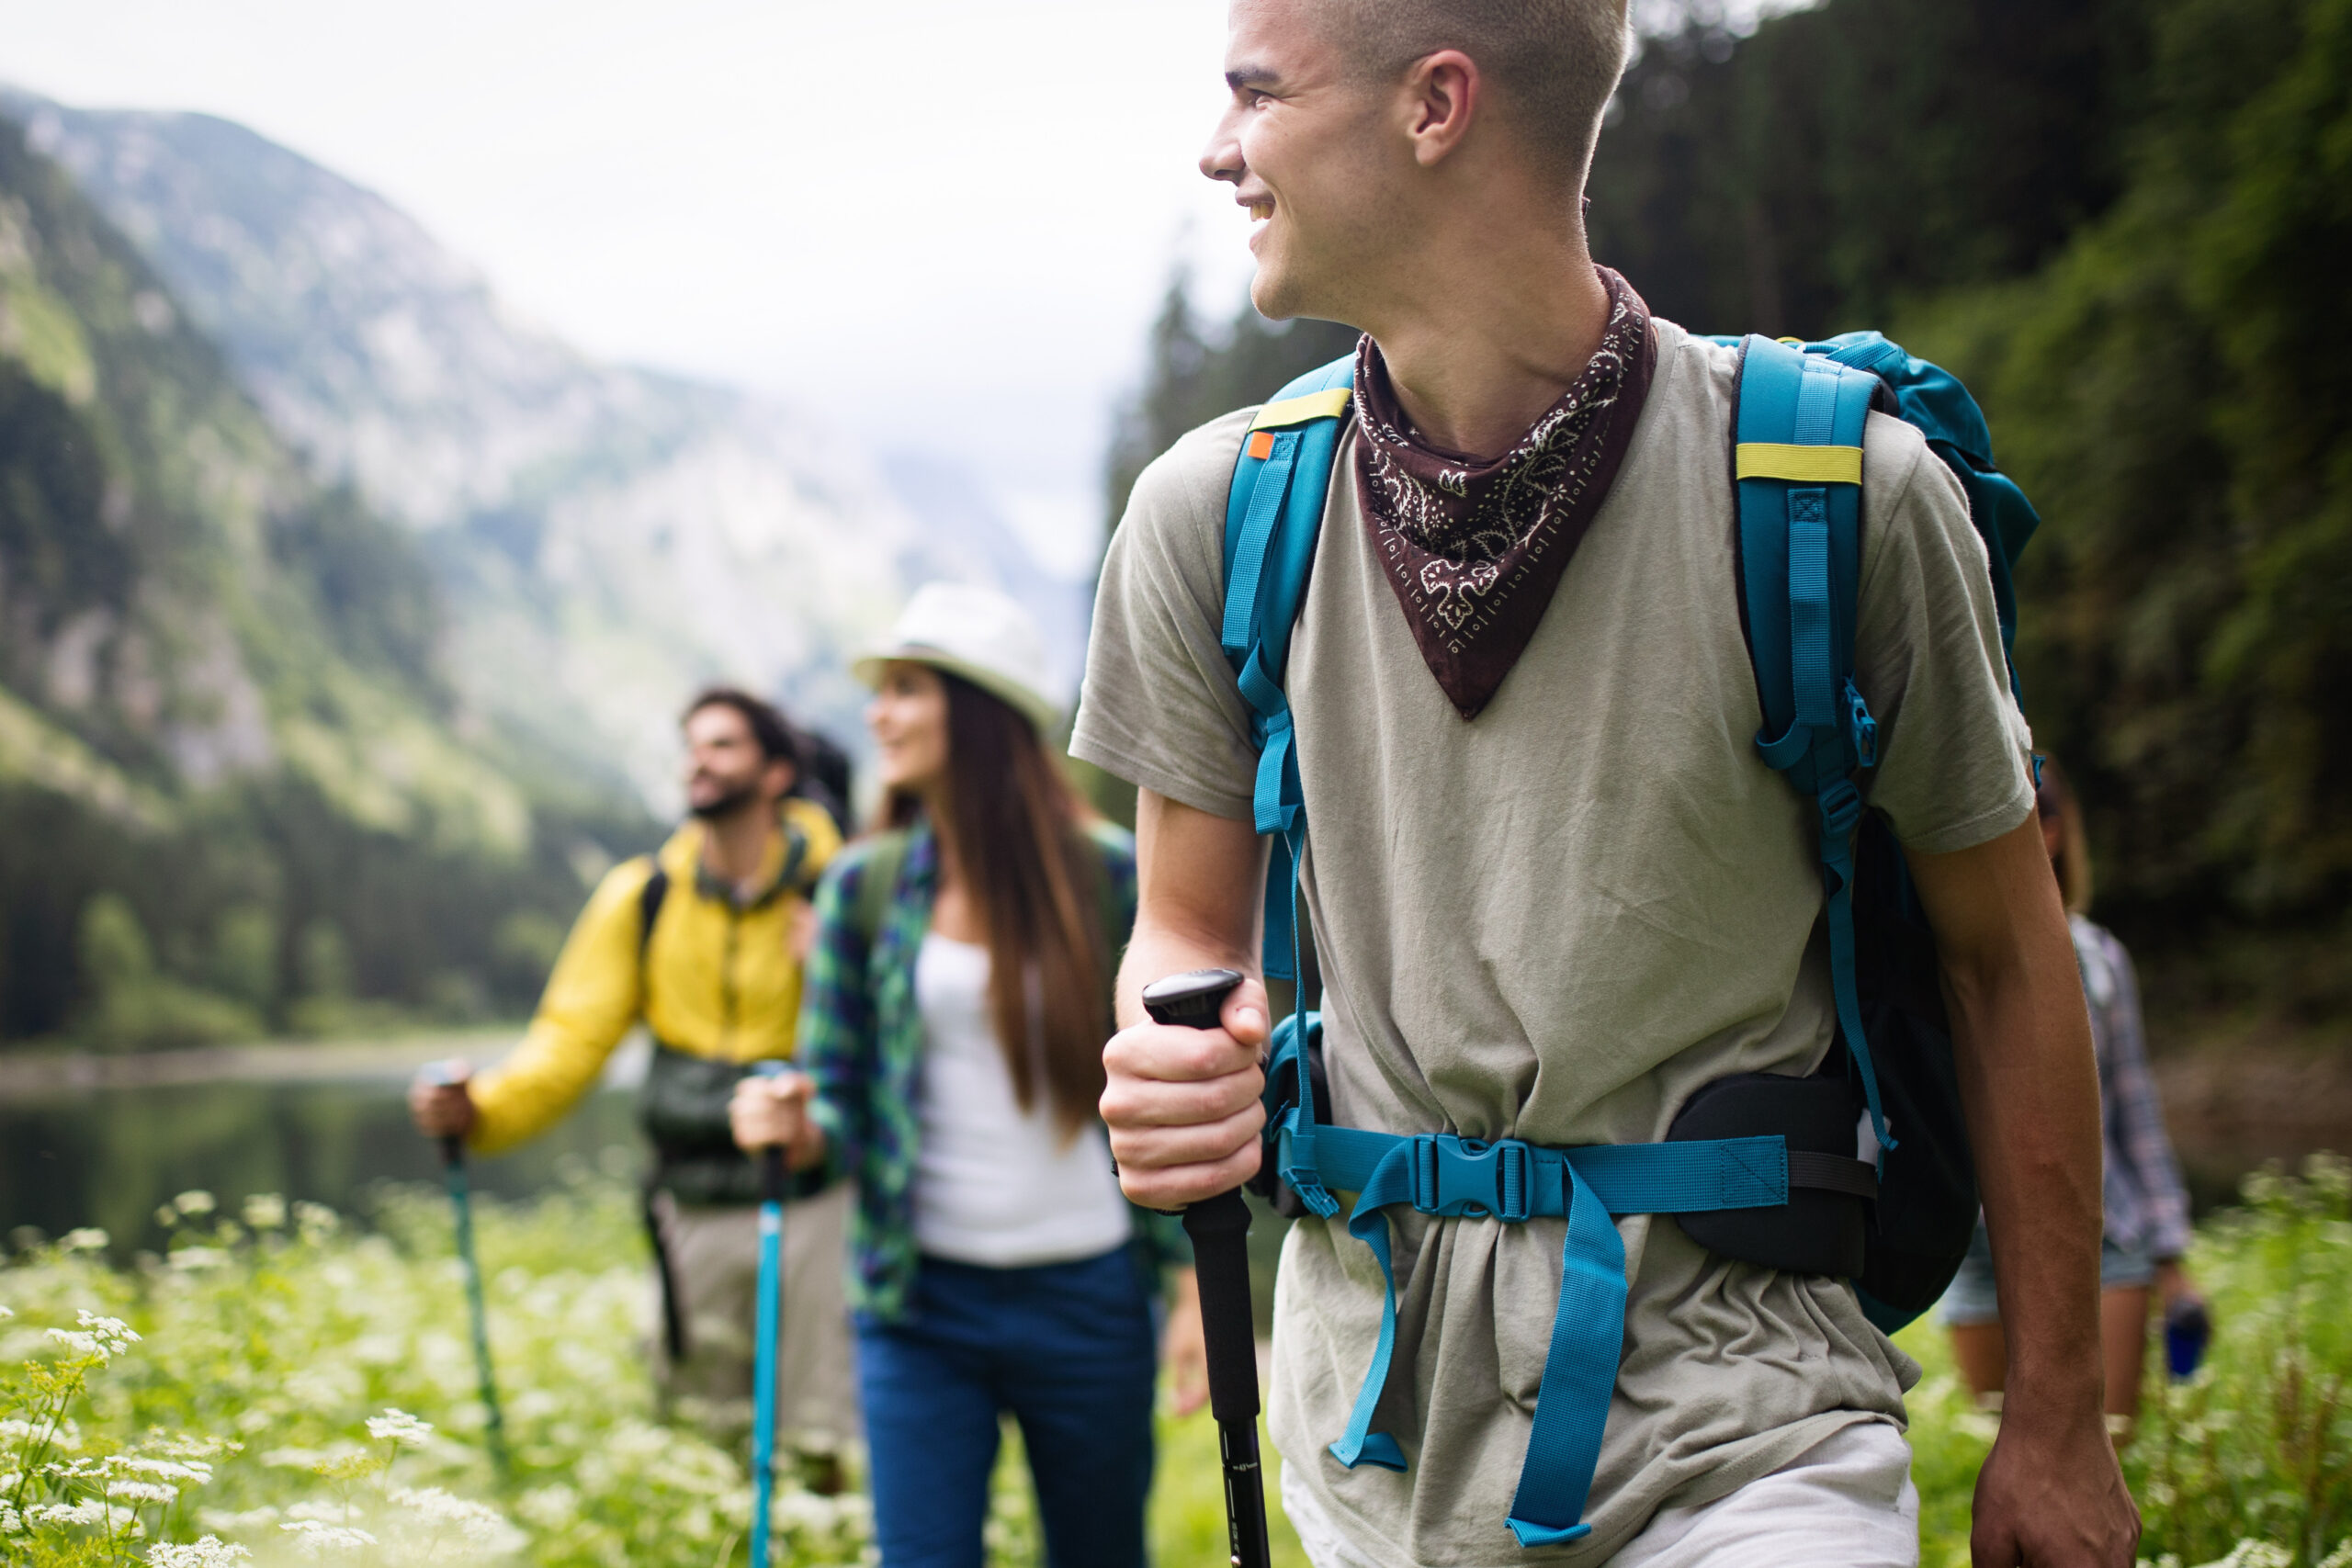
x=1557, y=62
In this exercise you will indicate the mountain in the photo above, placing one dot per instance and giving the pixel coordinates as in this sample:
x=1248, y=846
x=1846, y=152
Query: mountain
x=608, y=537
x=237, y=786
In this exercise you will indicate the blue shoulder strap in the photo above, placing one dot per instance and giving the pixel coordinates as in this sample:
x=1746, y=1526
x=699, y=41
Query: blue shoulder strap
x=1273, y=517
x=1798, y=466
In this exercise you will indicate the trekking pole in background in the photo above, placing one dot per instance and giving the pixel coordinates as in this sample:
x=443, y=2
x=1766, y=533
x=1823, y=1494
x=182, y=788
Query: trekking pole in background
x=461, y=1204
x=771, y=1313
x=1220, y=1231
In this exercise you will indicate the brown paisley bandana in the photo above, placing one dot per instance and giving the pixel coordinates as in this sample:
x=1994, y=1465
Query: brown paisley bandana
x=1473, y=549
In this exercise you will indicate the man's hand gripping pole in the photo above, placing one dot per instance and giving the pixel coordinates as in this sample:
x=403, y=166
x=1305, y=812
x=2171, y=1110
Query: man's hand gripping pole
x=1219, y=1227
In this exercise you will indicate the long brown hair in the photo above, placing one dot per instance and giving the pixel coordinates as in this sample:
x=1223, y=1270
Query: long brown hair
x=1017, y=835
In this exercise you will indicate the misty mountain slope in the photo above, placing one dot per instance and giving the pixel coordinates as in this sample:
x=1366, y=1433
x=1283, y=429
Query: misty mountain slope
x=236, y=780
x=610, y=536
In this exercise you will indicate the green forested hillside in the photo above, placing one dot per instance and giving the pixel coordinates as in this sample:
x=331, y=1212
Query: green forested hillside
x=2127, y=223
x=235, y=791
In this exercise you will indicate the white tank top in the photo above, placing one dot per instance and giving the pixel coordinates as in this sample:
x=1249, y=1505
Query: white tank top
x=995, y=1185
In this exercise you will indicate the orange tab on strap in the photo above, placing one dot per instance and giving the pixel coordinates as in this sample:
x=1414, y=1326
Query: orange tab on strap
x=1261, y=444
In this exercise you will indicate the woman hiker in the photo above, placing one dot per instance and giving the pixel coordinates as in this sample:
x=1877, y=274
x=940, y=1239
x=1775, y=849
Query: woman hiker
x=951, y=1055
x=2146, y=1210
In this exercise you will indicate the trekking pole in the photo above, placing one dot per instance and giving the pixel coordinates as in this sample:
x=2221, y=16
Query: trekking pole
x=770, y=1314
x=1219, y=1227
x=461, y=1204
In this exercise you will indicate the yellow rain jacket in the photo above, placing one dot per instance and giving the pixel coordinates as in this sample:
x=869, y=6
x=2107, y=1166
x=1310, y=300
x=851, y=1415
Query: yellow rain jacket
x=717, y=979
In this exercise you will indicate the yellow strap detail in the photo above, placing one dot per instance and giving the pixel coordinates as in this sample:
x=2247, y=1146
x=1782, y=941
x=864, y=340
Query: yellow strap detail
x=1806, y=465
x=1299, y=411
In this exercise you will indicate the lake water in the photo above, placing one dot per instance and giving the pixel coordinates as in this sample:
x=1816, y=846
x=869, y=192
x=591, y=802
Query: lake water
x=327, y=1131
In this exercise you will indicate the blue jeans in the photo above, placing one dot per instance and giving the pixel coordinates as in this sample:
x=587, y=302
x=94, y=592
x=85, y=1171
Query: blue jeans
x=1069, y=1349
x=1971, y=1298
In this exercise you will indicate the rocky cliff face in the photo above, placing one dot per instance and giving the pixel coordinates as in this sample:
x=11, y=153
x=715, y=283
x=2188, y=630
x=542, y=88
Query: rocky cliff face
x=607, y=536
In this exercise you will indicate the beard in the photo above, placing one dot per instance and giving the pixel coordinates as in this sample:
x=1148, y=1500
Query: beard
x=725, y=804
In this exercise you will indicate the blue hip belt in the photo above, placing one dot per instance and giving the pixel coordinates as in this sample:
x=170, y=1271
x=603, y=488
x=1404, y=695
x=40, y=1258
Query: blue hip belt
x=1447, y=1177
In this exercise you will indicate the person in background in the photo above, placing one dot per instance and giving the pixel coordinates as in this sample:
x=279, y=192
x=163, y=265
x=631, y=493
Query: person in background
x=704, y=942
x=959, y=998
x=2146, y=1207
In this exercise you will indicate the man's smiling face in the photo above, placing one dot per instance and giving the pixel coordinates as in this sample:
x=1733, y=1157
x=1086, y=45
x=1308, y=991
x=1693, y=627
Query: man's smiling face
x=1304, y=143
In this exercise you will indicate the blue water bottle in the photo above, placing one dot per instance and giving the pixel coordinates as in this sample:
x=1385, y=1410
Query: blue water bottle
x=2188, y=1329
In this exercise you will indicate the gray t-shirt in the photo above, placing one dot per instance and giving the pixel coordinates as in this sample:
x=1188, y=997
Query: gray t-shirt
x=1555, y=922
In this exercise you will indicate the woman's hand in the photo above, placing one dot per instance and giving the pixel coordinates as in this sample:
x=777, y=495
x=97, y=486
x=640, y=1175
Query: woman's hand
x=772, y=1113
x=1183, y=1350
x=2175, y=1288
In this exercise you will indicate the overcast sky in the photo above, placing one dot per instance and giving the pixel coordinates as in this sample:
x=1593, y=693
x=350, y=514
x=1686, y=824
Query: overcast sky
x=940, y=223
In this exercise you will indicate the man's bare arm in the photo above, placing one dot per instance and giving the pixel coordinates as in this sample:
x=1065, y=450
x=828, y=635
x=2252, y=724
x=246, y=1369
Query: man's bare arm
x=1182, y=1104
x=2051, y=1493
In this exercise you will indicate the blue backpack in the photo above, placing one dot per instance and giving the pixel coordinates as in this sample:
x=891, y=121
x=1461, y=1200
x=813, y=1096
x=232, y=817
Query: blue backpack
x=1761, y=1167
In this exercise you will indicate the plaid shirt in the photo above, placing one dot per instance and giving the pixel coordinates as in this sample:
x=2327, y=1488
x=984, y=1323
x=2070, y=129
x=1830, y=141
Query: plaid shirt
x=861, y=1040
x=2146, y=1208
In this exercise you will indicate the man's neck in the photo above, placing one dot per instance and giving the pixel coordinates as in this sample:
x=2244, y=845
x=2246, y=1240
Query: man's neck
x=1487, y=331
x=735, y=846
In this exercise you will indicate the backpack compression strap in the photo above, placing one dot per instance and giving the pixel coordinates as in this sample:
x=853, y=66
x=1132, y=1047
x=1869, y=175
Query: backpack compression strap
x=1798, y=465
x=1274, y=514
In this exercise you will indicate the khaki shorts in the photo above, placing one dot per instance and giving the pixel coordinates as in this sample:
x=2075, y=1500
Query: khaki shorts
x=713, y=1260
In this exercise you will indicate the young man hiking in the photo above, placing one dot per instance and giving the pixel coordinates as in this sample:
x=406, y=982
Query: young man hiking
x=1552, y=887
x=704, y=942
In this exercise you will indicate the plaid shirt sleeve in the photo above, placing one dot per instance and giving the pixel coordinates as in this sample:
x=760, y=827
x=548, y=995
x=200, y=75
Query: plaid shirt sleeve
x=2147, y=1206
x=837, y=1046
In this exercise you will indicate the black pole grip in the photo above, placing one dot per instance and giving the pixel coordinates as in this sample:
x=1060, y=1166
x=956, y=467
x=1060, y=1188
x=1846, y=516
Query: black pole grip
x=772, y=1171
x=453, y=1151
x=1220, y=1231
x=772, y=1183
x=1219, y=1227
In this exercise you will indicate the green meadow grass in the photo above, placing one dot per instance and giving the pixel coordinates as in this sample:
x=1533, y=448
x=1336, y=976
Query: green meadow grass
x=284, y=1387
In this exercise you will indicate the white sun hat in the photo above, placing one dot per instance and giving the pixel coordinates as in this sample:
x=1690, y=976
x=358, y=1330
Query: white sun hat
x=977, y=633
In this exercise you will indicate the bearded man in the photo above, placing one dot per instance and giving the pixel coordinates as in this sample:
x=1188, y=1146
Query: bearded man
x=703, y=942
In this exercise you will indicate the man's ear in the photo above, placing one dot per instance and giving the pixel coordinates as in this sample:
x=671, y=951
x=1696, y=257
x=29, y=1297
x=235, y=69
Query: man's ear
x=1443, y=94
x=780, y=777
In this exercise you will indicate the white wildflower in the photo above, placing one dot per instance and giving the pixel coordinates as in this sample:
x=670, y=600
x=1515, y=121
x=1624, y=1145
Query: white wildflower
x=481, y=1524
x=86, y=1238
x=195, y=1260
x=119, y=1333
x=319, y=1510
x=6, y=1313
x=137, y=1493
x=89, y=1511
x=191, y=1447
x=11, y=1522
x=198, y=1201
x=318, y=1539
x=80, y=1347
x=265, y=1211
x=195, y=1471
x=166, y=1216
x=315, y=1220
x=398, y=1426
x=2252, y=1553
x=100, y=1338
x=210, y=1552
